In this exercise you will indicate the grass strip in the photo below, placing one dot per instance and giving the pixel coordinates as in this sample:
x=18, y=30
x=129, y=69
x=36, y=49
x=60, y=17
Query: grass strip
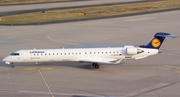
x=90, y=12
x=27, y=1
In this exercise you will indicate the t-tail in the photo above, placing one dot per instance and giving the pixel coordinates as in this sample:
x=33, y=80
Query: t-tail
x=157, y=41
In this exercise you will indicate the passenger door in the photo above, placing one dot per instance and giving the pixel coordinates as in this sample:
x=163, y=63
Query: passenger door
x=25, y=55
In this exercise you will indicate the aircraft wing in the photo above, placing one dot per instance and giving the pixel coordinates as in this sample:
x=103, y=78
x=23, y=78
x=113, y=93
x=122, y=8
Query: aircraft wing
x=101, y=60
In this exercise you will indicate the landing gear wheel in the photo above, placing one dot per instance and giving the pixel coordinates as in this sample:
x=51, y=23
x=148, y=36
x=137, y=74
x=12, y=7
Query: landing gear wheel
x=93, y=64
x=96, y=66
x=12, y=66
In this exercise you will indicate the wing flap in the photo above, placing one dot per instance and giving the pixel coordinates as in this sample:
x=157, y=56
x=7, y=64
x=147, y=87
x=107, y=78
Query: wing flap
x=103, y=60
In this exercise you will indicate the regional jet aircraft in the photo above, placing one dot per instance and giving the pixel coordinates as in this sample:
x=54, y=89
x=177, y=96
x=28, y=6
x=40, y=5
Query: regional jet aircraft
x=109, y=55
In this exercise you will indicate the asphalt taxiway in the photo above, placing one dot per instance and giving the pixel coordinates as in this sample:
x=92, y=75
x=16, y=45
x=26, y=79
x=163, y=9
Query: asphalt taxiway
x=156, y=76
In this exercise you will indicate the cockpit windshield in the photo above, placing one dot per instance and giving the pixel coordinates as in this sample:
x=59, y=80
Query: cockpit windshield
x=15, y=54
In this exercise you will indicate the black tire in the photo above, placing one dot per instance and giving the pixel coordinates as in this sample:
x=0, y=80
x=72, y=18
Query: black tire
x=12, y=66
x=96, y=66
x=93, y=64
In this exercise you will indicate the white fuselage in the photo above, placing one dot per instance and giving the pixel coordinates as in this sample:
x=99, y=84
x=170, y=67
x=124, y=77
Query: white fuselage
x=109, y=55
x=89, y=55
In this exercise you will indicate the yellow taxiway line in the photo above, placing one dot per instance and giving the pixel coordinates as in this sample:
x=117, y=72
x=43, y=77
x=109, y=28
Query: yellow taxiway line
x=61, y=41
x=46, y=83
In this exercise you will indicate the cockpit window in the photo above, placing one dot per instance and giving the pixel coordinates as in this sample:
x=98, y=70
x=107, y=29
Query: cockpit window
x=15, y=54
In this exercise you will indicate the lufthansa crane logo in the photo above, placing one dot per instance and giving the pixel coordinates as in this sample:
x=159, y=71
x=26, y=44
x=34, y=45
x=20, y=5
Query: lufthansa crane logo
x=156, y=43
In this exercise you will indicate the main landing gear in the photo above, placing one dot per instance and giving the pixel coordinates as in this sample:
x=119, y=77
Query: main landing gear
x=96, y=66
x=12, y=65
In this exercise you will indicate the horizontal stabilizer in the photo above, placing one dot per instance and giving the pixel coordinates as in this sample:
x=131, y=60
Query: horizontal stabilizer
x=163, y=34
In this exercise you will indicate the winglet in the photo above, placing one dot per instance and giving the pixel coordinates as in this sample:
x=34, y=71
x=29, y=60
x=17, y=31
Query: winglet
x=157, y=41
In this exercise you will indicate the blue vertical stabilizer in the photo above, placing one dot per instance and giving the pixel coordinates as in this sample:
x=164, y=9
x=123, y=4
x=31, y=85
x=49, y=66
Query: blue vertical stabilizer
x=157, y=41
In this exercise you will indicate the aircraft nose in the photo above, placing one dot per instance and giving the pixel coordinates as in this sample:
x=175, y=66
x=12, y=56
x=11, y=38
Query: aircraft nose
x=5, y=59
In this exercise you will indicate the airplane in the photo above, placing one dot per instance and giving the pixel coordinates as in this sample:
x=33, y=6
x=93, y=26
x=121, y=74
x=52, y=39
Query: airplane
x=95, y=56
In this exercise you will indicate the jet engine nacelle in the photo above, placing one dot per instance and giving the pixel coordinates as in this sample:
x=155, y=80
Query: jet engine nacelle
x=133, y=51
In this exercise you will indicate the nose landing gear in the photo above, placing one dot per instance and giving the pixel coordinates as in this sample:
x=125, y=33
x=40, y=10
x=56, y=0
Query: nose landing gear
x=12, y=65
